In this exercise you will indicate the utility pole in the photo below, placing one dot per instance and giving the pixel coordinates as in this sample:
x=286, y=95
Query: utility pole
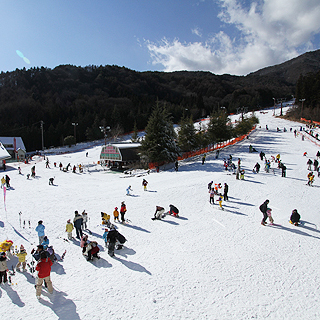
x=302, y=100
x=281, y=99
x=74, y=128
x=41, y=127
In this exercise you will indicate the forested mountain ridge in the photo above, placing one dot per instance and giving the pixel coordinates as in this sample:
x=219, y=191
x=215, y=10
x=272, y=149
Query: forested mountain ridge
x=116, y=96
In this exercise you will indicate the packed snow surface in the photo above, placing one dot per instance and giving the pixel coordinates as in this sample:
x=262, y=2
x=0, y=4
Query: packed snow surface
x=207, y=264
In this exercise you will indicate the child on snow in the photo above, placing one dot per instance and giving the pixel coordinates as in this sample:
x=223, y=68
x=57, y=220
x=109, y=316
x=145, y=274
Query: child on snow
x=69, y=228
x=22, y=259
x=45, y=243
x=85, y=219
x=104, y=236
x=105, y=219
x=128, y=190
x=3, y=268
x=295, y=217
x=144, y=183
x=84, y=243
x=40, y=229
x=269, y=215
x=116, y=214
x=220, y=202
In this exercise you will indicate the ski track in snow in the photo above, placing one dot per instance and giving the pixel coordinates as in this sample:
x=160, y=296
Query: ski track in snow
x=208, y=264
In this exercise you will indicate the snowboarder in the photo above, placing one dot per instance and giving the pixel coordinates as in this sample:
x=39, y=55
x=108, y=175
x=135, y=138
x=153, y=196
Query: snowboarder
x=144, y=183
x=173, y=210
x=22, y=259
x=51, y=181
x=159, y=212
x=263, y=208
x=77, y=222
x=33, y=172
x=3, y=268
x=225, y=192
x=47, y=163
x=256, y=168
x=123, y=210
x=128, y=190
x=116, y=214
x=40, y=229
x=310, y=178
x=295, y=217
x=69, y=228
x=44, y=268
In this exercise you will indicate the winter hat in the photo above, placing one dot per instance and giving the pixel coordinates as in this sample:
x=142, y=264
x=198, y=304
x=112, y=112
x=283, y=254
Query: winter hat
x=21, y=247
x=69, y=221
x=106, y=229
x=122, y=202
x=2, y=254
x=45, y=238
x=116, y=208
x=76, y=212
x=40, y=222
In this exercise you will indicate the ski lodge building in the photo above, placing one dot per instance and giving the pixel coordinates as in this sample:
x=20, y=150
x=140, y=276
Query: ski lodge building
x=15, y=147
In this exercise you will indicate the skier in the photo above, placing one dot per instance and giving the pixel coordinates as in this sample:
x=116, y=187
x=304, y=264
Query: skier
x=40, y=229
x=128, y=190
x=3, y=268
x=47, y=163
x=77, y=222
x=144, y=183
x=44, y=268
x=256, y=168
x=220, y=202
x=210, y=185
x=225, y=192
x=33, y=171
x=204, y=158
x=262, y=154
x=269, y=215
x=315, y=164
x=116, y=214
x=173, y=210
x=283, y=170
x=309, y=163
x=310, y=178
x=295, y=217
x=7, y=181
x=263, y=208
x=69, y=228
x=19, y=170
x=211, y=199
x=51, y=181
x=123, y=210
x=158, y=214
x=22, y=259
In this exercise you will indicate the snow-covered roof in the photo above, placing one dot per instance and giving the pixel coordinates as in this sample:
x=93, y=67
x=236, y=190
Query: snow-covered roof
x=126, y=145
x=8, y=142
x=3, y=152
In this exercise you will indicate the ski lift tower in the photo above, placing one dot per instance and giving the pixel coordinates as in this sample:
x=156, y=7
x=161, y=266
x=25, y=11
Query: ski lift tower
x=104, y=130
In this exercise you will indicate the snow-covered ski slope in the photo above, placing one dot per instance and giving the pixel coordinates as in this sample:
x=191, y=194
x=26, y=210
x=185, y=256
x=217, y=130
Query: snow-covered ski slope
x=208, y=264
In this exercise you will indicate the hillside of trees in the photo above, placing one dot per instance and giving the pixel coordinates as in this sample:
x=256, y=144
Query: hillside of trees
x=121, y=98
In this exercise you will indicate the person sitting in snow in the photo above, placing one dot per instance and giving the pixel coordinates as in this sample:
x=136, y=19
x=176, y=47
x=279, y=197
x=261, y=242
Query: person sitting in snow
x=159, y=213
x=45, y=243
x=173, y=210
x=295, y=217
x=92, y=250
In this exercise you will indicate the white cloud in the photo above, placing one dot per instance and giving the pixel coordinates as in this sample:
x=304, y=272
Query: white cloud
x=197, y=31
x=271, y=31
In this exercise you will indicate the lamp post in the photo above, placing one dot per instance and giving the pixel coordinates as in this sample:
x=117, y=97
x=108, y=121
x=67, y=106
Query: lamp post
x=74, y=128
x=302, y=100
x=42, y=140
x=104, y=130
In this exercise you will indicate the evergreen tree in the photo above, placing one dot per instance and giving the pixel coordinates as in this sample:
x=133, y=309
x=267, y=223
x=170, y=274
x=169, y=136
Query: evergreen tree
x=159, y=143
x=134, y=136
x=218, y=130
x=187, y=140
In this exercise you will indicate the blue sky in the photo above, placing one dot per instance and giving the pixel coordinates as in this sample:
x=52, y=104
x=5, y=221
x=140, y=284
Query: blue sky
x=221, y=36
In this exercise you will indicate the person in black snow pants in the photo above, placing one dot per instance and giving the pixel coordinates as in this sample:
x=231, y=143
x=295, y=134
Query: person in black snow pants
x=77, y=222
x=225, y=192
x=263, y=208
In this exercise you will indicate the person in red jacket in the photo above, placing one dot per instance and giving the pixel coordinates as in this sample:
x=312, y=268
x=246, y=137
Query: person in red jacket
x=44, y=268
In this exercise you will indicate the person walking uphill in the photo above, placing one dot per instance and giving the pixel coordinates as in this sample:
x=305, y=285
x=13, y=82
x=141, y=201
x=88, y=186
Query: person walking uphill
x=44, y=269
x=40, y=229
x=77, y=222
x=263, y=208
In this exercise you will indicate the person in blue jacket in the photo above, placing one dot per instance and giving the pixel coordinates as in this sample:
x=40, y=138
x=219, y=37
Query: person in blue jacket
x=40, y=229
x=45, y=243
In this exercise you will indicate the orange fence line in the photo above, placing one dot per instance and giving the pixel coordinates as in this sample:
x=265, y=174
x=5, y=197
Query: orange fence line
x=219, y=145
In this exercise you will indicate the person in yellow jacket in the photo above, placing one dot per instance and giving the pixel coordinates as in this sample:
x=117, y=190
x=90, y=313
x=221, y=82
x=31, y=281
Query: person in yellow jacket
x=69, y=228
x=22, y=259
x=116, y=214
x=105, y=219
x=3, y=182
